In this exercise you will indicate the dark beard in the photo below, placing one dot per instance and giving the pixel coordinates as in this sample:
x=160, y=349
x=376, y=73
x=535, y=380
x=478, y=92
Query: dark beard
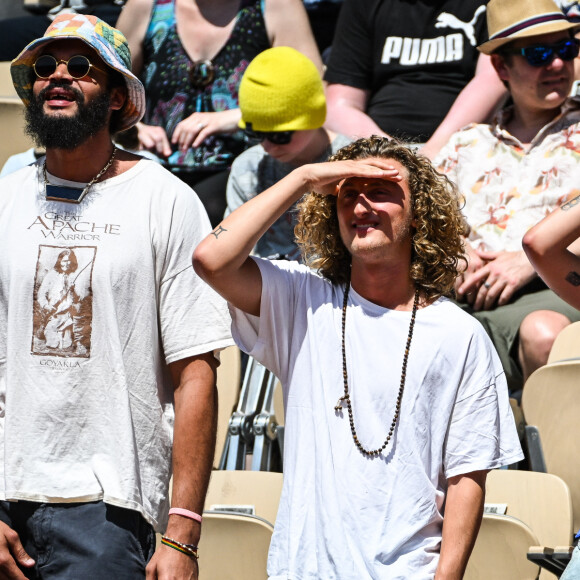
x=62, y=132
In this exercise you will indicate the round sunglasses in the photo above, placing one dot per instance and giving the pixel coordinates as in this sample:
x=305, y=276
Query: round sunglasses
x=275, y=137
x=544, y=54
x=77, y=66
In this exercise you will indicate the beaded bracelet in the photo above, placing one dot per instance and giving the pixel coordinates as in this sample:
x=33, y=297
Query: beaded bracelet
x=185, y=513
x=187, y=549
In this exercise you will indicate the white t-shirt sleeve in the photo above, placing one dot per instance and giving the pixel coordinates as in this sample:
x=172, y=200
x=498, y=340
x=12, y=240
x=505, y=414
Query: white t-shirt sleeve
x=482, y=432
x=193, y=317
x=267, y=337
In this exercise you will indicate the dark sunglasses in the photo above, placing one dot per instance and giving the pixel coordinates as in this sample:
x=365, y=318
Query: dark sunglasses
x=275, y=137
x=77, y=66
x=544, y=54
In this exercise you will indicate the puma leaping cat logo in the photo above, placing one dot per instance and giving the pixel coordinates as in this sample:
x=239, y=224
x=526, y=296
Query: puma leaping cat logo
x=446, y=20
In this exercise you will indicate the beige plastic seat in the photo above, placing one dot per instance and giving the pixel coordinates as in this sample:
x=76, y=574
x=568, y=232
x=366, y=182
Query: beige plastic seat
x=500, y=551
x=567, y=345
x=12, y=137
x=228, y=386
x=255, y=491
x=540, y=500
x=551, y=402
x=234, y=547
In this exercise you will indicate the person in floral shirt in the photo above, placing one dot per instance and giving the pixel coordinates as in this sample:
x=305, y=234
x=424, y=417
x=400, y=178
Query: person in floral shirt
x=514, y=172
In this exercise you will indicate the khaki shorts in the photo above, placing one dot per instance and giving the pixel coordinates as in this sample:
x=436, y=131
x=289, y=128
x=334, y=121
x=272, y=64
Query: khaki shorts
x=503, y=324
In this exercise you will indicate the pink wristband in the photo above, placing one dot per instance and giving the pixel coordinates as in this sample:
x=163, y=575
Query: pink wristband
x=185, y=514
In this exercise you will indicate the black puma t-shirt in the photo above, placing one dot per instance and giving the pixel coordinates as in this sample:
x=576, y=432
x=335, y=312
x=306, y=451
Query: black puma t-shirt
x=414, y=56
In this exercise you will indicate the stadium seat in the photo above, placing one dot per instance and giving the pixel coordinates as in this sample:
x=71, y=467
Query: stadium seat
x=566, y=347
x=540, y=500
x=253, y=492
x=234, y=547
x=500, y=552
x=551, y=404
x=12, y=139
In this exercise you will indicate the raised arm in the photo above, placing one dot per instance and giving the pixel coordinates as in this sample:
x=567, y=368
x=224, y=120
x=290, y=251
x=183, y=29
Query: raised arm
x=474, y=104
x=288, y=25
x=463, y=513
x=553, y=248
x=222, y=259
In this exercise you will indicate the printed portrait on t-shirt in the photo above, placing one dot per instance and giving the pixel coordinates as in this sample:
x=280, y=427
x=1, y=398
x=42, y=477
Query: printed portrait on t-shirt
x=63, y=301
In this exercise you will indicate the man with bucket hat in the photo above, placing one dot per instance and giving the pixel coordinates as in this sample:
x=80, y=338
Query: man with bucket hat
x=512, y=173
x=107, y=372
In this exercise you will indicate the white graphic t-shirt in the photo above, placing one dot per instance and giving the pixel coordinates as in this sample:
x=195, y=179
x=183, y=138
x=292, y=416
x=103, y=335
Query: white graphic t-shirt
x=95, y=299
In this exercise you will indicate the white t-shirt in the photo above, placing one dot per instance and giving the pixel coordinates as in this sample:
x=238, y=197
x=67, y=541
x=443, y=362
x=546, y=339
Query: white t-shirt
x=342, y=515
x=95, y=298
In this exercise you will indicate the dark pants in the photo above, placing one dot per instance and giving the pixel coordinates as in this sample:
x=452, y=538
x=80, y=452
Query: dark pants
x=74, y=541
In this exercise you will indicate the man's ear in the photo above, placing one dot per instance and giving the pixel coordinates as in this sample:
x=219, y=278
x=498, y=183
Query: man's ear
x=500, y=66
x=118, y=98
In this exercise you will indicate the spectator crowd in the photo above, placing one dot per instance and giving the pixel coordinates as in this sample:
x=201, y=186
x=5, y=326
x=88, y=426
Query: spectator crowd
x=375, y=199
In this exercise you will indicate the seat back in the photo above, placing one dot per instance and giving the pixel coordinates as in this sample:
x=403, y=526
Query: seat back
x=228, y=385
x=551, y=402
x=540, y=500
x=234, y=547
x=566, y=347
x=255, y=491
x=500, y=551
x=12, y=139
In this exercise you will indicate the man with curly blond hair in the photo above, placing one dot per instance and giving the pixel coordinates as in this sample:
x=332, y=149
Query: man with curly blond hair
x=396, y=405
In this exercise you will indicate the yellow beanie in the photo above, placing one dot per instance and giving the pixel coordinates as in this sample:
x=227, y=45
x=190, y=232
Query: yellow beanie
x=281, y=90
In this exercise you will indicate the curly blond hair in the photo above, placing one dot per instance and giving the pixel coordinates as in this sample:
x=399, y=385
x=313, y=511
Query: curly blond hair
x=437, y=239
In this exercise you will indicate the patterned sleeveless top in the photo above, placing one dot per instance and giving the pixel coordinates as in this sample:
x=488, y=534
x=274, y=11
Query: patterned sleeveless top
x=171, y=96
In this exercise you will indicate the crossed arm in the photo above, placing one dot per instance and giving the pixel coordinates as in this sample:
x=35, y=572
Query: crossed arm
x=553, y=247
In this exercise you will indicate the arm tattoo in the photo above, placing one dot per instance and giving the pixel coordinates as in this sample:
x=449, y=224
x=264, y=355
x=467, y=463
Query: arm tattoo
x=573, y=278
x=570, y=204
x=219, y=230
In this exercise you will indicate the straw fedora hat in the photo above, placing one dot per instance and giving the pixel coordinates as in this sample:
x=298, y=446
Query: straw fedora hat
x=509, y=20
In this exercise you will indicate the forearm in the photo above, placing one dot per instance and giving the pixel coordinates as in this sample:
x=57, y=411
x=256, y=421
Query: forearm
x=222, y=258
x=193, y=443
x=555, y=233
x=463, y=513
x=553, y=248
x=351, y=121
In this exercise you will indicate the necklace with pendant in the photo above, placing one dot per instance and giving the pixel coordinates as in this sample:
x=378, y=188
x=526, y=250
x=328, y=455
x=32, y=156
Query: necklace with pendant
x=72, y=194
x=346, y=397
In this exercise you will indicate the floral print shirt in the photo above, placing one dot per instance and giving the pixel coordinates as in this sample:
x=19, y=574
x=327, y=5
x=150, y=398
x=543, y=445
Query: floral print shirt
x=507, y=188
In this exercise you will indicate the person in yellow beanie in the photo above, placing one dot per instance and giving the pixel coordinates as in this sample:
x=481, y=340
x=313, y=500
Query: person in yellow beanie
x=283, y=109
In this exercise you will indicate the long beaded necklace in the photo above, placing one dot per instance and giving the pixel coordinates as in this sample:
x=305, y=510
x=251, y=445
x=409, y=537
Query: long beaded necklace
x=72, y=194
x=346, y=397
